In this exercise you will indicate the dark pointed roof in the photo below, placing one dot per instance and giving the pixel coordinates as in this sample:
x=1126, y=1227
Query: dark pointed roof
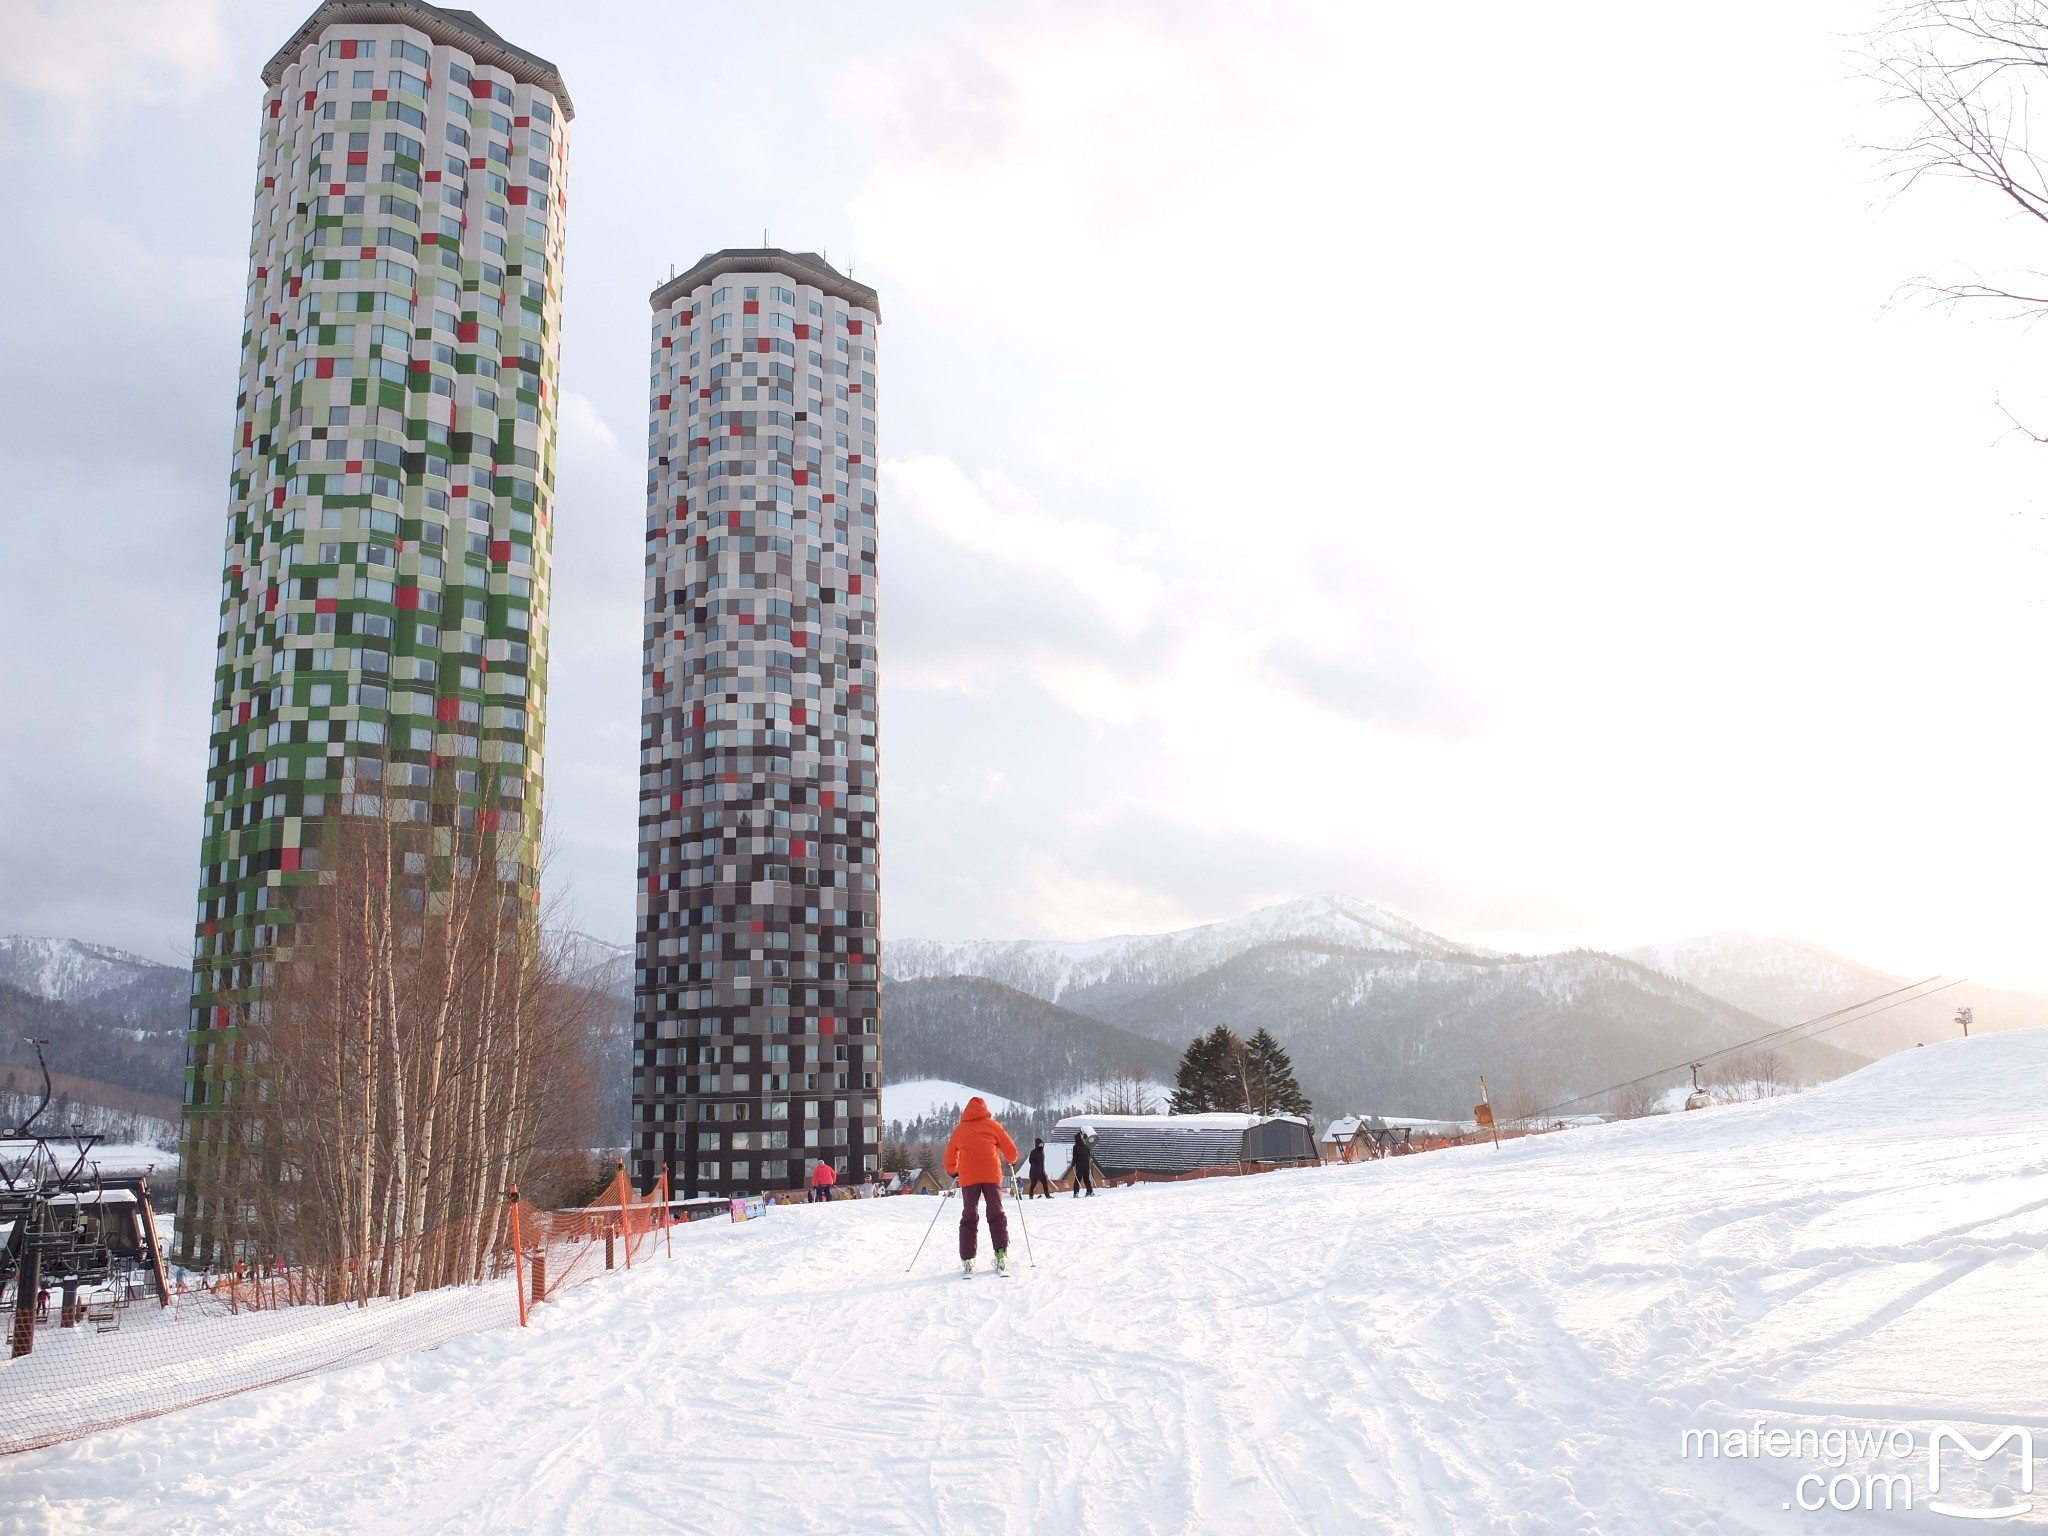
x=456, y=29
x=798, y=266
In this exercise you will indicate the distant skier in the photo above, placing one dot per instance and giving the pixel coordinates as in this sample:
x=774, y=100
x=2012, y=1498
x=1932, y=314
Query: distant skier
x=822, y=1180
x=975, y=1155
x=1039, y=1182
x=1084, y=1165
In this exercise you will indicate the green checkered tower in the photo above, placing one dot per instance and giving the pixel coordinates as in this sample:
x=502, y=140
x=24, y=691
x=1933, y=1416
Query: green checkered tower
x=384, y=591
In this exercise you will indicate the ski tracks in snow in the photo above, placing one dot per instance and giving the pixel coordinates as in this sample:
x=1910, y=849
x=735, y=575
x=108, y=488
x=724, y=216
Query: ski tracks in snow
x=1470, y=1341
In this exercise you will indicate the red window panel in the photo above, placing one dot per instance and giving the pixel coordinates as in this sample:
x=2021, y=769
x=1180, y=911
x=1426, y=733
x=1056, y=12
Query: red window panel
x=269, y=182
x=275, y=108
x=750, y=307
x=828, y=798
x=653, y=884
x=853, y=327
x=408, y=597
x=380, y=95
x=853, y=388
x=241, y=714
x=477, y=164
x=853, y=584
x=803, y=333
x=447, y=709
x=277, y=497
x=667, y=342
x=465, y=330
x=797, y=715
x=352, y=467
x=248, y=433
x=675, y=802
x=348, y=47
x=802, y=476
x=664, y=403
x=761, y=344
x=359, y=157
x=827, y=1026
x=853, y=458
x=516, y=195
x=256, y=776
x=270, y=600
x=479, y=87
x=520, y=122
x=660, y=681
x=703, y=394
x=288, y=860
x=324, y=605
x=307, y=104
x=419, y=364
x=433, y=175
x=501, y=550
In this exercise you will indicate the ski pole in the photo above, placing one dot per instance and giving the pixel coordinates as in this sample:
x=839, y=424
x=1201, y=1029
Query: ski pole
x=928, y=1232
x=1026, y=1227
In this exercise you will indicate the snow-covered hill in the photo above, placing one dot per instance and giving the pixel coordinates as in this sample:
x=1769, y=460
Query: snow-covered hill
x=70, y=970
x=1512, y=1340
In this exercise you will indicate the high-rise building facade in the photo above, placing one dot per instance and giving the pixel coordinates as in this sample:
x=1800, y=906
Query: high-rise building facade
x=757, y=1025
x=383, y=631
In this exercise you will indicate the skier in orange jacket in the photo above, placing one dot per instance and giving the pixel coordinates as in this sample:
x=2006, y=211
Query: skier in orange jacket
x=975, y=1156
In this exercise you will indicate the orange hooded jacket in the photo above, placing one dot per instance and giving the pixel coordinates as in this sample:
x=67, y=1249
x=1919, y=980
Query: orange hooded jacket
x=979, y=1146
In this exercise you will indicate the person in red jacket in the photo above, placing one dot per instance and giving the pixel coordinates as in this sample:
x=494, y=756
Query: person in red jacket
x=975, y=1156
x=823, y=1177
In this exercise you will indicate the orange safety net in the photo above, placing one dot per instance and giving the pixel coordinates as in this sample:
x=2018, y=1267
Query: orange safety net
x=111, y=1354
x=556, y=1250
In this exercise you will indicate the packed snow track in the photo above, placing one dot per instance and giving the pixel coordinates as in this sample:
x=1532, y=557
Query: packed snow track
x=1463, y=1341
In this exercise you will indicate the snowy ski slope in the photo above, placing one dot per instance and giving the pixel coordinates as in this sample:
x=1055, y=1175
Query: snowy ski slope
x=1466, y=1341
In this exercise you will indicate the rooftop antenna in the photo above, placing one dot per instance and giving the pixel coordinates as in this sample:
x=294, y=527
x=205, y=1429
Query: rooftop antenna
x=764, y=239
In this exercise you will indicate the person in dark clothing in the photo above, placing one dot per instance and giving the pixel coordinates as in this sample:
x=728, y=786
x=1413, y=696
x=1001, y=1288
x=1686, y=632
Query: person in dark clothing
x=1084, y=1165
x=1039, y=1182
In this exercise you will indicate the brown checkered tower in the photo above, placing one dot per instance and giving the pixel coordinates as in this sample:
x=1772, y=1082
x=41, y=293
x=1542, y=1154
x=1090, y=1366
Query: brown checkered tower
x=757, y=1024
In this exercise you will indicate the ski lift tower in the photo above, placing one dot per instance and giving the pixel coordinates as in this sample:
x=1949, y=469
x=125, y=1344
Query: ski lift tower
x=63, y=1224
x=1966, y=1017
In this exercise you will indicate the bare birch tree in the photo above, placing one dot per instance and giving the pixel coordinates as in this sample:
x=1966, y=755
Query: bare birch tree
x=1967, y=71
x=418, y=1053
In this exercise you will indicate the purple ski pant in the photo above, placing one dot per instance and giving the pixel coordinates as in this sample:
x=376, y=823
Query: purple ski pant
x=998, y=1223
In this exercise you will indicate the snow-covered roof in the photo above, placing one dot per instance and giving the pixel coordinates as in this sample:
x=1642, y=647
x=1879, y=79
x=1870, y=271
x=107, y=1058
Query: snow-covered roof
x=1208, y=1122
x=96, y=1197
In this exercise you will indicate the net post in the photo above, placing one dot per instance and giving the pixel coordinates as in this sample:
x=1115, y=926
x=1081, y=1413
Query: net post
x=625, y=1193
x=668, y=1224
x=518, y=1255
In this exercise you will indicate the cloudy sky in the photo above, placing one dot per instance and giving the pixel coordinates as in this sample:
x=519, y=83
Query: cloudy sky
x=1475, y=458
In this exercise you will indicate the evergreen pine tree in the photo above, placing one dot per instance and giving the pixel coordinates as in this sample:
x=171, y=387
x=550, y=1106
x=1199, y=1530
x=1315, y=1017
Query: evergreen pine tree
x=1193, y=1080
x=1269, y=1072
x=1212, y=1074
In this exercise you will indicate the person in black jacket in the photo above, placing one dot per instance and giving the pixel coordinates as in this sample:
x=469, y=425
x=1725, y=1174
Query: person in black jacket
x=1039, y=1182
x=1084, y=1165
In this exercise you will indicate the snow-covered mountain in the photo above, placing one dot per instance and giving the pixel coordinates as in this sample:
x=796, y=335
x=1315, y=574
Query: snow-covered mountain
x=70, y=970
x=1375, y=1010
x=1053, y=969
x=1789, y=981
